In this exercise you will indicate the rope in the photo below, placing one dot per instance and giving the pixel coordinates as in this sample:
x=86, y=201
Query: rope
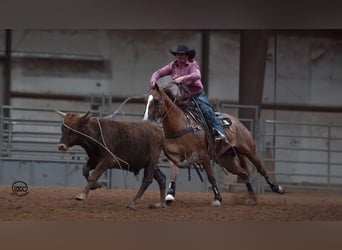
x=121, y=105
x=104, y=146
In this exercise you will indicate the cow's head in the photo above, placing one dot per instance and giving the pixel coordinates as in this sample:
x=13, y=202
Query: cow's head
x=72, y=127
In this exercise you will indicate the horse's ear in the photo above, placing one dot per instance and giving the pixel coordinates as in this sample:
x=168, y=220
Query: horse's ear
x=156, y=86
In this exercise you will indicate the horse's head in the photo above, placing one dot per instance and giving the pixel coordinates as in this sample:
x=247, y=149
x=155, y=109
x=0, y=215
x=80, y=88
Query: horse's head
x=155, y=107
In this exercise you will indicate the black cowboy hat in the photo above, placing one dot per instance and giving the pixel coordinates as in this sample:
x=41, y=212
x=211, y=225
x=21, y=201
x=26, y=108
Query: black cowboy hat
x=182, y=49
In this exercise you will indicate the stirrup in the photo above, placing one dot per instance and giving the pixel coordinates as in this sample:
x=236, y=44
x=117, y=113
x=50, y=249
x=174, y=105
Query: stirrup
x=219, y=136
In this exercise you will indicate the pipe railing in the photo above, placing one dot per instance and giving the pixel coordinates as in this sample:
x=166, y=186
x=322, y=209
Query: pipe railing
x=296, y=148
x=299, y=153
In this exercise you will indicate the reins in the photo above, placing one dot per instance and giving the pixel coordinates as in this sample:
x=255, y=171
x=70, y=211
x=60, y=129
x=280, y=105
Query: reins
x=168, y=111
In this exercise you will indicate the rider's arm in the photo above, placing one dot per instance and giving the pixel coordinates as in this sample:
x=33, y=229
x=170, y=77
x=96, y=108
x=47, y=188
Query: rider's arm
x=193, y=76
x=164, y=71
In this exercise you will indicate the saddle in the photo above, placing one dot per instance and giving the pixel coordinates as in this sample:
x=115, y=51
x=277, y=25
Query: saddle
x=224, y=119
x=193, y=109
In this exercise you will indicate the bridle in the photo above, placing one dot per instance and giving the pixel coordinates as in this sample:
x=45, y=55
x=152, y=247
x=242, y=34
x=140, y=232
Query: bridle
x=167, y=111
x=189, y=128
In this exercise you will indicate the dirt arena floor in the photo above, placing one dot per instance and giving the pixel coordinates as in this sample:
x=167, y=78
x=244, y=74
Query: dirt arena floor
x=58, y=204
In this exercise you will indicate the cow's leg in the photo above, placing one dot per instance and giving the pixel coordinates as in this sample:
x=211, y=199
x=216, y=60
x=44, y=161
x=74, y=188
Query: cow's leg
x=171, y=193
x=161, y=179
x=85, y=171
x=147, y=180
x=92, y=180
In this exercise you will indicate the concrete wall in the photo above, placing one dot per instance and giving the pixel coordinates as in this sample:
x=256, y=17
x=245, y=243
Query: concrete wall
x=300, y=70
x=307, y=71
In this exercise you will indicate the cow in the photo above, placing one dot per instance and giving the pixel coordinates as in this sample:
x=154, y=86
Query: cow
x=125, y=145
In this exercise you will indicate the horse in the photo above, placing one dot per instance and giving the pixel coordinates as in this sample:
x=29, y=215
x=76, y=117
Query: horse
x=187, y=144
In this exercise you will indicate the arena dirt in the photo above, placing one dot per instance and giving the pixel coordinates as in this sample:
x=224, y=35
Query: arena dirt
x=58, y=204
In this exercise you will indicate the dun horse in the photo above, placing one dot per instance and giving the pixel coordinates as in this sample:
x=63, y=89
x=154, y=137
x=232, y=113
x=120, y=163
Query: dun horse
x=186, y=144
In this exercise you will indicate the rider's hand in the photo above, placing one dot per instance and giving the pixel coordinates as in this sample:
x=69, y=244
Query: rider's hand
x=179, y=79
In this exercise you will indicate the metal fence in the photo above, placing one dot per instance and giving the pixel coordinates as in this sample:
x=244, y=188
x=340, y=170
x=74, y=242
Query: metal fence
x=302, y=153
x=28, y=140
x=299, y=154
x=28, y=144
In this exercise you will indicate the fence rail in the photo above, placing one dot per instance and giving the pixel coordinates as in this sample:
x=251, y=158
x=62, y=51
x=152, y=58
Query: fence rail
x=294, y=153
x=303, y=153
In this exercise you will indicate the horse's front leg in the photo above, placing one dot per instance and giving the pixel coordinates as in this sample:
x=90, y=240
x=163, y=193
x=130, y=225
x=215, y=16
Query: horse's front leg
x=210, y=174
x=171, y=193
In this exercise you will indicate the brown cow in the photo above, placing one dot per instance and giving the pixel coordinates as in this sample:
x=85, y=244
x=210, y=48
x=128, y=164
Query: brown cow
x=131, y=146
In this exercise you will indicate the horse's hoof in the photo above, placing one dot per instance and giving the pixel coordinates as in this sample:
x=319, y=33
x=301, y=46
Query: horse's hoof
x=80, y=197
x=277, y=189
x=169, y=198
x=251, y=201
x=216, y=203
x=280, y=190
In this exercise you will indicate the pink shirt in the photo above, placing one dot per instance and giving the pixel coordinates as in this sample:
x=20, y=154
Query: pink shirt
x=190, y=71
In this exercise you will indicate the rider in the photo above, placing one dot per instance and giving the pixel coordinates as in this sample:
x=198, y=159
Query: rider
x=186, y=70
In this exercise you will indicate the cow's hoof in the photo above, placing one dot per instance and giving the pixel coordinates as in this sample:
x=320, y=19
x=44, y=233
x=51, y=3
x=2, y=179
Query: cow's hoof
x=95, y=186
x=80, y=197
x=131, y=205
x=158, y=205
x=216, y=203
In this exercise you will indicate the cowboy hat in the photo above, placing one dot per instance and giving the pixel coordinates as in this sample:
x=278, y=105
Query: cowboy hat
x=182, y=49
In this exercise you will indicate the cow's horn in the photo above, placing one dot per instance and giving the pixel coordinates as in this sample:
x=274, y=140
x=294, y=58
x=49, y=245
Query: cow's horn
x=62, y=114
x=85, y=114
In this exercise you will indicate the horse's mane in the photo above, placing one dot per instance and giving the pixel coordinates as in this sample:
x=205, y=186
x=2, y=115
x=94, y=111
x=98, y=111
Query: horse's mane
x=180, y=101
x=188, y=107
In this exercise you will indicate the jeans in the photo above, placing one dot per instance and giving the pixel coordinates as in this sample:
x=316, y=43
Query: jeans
x=208, y=112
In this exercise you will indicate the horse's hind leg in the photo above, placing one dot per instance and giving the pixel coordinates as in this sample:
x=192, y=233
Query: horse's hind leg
x=254, y=158
x=236, y=164
x=244, y=174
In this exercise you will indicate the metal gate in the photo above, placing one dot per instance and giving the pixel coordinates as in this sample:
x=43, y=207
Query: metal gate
x=296, y=154
x=29, y=153
x=304, y=154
